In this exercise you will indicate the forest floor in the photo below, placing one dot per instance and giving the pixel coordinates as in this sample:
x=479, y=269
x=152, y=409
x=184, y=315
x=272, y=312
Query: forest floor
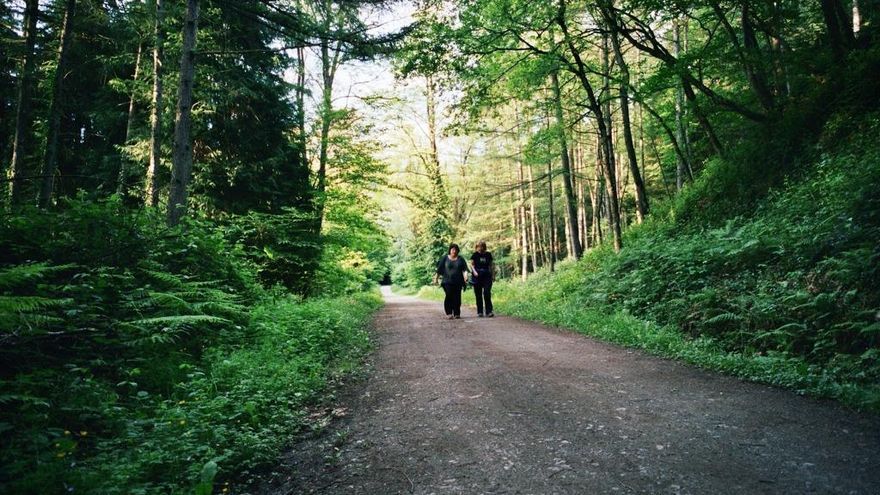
x=502, y=405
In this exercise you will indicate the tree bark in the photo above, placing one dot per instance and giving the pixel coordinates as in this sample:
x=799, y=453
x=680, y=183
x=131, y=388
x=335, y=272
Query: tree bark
x=329, y=65
x=523, y=222
x=434, y=172
x=552, y=217
x=856, y=19
x=533, y=215
x=579, y=68
x=124, y=173
x=571, y=212
x=50, y=162
x=182, y=159
x=23, y=109
x=152, y=180
x=839, y=34
x=714, y=142
x=641, y=193
x=680, y=163
x=748, y=54
x=301, y=102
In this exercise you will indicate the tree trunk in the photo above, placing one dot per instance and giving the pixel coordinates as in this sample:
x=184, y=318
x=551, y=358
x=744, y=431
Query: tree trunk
x=748, y=54
x=523, y=222
x=839, y=34
x=434, y=173
x=329, y=65
x=641, y=194
x=23, y=109
x=533, y=216
x=680, y=163
x=50, y=162
x=552, y=217
x=714, y=142
x=597, y=197
x=571, y=212
x=124, y=173
x=152, y=180
x=182, y=158
x=856, y=19
x=580, y=70
x=301, y=103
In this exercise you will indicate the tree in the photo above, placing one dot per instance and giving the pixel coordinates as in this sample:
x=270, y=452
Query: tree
x=50, y=159
x=182, y=158
x=23, y=107
x=151, y=193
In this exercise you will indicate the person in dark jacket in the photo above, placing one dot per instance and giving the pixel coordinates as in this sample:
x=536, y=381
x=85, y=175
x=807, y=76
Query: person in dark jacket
x=452, y=273
x=483, y=272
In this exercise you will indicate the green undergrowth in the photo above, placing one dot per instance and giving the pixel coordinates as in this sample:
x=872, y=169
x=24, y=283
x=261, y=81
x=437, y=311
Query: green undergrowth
x=786, y=294
x=142, y=359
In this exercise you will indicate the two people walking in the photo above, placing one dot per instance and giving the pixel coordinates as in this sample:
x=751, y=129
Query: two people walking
x=454, y=274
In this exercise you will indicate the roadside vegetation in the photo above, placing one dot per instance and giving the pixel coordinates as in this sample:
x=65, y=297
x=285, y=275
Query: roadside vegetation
x=782, y=291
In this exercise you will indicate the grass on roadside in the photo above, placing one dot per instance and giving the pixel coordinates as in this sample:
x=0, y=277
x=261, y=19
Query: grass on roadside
x=538, y=303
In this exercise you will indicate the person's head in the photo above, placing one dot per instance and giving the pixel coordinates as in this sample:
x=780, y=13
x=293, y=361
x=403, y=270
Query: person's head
x=481, y=246
x=453, y=249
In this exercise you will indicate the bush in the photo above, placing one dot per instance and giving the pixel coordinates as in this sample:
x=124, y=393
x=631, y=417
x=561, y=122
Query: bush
x=142, y=359
x=787, y=294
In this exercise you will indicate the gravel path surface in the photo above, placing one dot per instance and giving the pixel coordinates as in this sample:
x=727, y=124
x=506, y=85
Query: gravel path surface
x=501, y=405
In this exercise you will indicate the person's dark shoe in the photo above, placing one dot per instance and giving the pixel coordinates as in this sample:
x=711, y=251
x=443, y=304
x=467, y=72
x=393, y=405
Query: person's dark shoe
x=480, y=315
x=457, y=317
x=491, y=315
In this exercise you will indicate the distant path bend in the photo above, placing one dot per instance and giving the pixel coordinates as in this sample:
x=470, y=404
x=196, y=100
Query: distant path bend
x=502, y=405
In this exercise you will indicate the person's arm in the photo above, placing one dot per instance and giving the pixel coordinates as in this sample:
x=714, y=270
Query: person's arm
x=439, y=271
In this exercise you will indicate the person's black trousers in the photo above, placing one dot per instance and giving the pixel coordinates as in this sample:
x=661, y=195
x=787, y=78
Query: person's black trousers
x=452, y=302
x=483, y=293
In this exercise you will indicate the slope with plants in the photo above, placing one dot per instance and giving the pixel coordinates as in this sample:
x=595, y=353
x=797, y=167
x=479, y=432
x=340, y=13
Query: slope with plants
x=780, y=288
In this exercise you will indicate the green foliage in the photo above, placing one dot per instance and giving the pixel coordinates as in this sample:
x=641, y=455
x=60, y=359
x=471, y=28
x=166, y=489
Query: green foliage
x=283, y=246
x=142, y=359
x=788, y=295
x=355, y=254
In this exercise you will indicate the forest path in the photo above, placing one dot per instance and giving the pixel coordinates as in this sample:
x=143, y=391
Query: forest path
x=501, y=405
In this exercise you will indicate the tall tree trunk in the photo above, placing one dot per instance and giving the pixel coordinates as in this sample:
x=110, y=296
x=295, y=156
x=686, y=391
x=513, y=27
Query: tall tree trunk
x=435, y=174
x=552, y=218
x=50, y=162
x=571, y=212
x=748, y=54
x=641, y=194
x=582, y=202
x=124, y=173
x=705, y=125
x=856, y=19
x=840, y=35
x=152, y=181
x=680, y=163
x=329, y=65
x=182, y=158
x=523, y=222
x=580, y=70
x=533, y=216
x=23, y=108
x=755, y=65
x=598, y=197
x=301, y=103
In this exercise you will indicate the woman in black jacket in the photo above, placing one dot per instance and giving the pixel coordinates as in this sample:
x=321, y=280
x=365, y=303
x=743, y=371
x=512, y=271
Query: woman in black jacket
x=452, y=273
x=483, y=272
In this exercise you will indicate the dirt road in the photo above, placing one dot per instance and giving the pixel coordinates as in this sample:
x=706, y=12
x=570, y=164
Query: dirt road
x=501, y=405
